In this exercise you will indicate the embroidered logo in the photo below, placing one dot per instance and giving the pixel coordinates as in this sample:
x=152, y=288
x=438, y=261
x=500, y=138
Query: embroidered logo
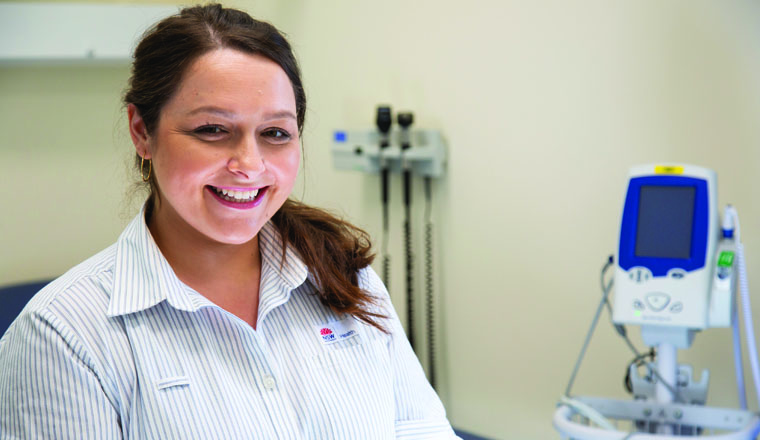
x=336, y=330
x=327, y=334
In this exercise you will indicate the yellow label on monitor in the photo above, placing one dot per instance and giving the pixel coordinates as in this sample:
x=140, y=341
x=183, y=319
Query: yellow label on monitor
x=666, y=169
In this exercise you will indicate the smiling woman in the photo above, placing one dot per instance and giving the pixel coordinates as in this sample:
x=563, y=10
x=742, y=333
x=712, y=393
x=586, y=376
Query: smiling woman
x=225, y=309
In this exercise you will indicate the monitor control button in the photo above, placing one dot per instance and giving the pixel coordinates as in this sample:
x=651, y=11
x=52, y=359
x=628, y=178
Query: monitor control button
x=676, y=307
x=677, y=273
x=638, y=305
x=657, y=301
x=639, y=274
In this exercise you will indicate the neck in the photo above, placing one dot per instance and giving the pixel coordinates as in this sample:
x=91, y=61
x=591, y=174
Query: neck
x=226, y=274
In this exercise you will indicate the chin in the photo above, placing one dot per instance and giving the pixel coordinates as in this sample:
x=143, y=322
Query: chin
x=235, y=238
x=239, y=236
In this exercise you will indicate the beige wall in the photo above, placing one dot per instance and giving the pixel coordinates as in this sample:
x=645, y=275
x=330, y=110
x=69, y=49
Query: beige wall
x=544, y=105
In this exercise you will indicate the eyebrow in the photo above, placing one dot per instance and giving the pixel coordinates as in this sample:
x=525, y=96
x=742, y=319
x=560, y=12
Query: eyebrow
x=284, y=114
x=220, y=111
x=210, y=109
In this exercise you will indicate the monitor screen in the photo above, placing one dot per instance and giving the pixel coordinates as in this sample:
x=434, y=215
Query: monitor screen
x=665, y=223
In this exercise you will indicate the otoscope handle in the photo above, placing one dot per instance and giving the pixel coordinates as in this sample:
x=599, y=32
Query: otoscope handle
x=384, y=184
x=407, y=187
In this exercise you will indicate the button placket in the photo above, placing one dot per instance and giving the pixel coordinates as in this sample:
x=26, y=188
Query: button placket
x=266, y=367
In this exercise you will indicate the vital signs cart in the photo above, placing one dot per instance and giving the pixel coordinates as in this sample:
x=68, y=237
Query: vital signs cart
x=675, y=275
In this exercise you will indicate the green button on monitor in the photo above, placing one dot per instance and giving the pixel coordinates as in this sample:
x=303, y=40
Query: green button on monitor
x=726, y=259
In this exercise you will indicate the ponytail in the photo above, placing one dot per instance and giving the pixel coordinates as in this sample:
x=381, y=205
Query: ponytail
x=334, y=251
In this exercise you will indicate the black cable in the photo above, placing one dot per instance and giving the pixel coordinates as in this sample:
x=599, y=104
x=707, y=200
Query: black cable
x=405, y=120
x=409, y=277
x=639, y=360
x=429, y=280
x=605, y=292
x=621, y=330
x=386, y=216
x=606, y=287
x=384, y=121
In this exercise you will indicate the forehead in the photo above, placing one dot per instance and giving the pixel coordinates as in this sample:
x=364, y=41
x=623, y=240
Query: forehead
x=236, y=81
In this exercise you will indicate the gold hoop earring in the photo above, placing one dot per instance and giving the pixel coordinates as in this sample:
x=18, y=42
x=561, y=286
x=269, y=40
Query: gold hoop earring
x=150, y=168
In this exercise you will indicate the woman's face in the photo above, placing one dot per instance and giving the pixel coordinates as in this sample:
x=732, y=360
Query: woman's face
x=226, y=151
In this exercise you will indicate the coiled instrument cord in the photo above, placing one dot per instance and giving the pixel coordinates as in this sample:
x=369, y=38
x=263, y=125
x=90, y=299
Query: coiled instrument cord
x=429, y=281
x=405, y=120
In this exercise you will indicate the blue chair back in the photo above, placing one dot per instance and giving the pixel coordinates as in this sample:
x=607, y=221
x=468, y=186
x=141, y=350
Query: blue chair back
x=464, y=435
x=14, y=298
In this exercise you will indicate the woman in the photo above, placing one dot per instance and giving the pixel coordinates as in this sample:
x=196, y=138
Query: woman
x=224, y=310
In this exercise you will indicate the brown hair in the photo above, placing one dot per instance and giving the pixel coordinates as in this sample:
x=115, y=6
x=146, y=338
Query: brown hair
x=333, y=250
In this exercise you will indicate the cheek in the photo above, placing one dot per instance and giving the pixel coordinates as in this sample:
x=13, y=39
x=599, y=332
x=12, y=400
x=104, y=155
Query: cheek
x=287, y=164
x=176, y=174
x=181, y=170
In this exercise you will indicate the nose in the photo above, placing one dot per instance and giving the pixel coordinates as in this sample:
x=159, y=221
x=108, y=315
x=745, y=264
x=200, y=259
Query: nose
x=246, y=159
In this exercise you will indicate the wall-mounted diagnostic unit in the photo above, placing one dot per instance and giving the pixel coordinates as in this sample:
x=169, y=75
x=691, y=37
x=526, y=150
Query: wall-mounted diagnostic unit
x=414, y=154
x=359, y=150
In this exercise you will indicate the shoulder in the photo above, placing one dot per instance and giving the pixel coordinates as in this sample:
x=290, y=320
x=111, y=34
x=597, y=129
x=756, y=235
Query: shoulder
x=370, y=282
x=71, y=311
x=69, y=316
x=64, y=338
x=90, y=281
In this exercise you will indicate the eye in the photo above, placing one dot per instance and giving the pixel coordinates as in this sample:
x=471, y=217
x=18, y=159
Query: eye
x=210, y=130
x=276, y=135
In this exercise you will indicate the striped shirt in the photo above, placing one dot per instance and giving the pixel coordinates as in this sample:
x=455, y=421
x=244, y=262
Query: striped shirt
x=119, y=347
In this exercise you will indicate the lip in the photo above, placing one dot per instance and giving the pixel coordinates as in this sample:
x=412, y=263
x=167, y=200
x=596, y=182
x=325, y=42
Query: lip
x=242, y=206
x=238, y=188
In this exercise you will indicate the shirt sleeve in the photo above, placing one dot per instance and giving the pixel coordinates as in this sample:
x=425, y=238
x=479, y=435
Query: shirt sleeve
x=419, y=411
x=48, y=387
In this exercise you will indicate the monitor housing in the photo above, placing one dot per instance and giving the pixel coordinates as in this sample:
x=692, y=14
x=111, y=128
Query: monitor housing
x=668, y=236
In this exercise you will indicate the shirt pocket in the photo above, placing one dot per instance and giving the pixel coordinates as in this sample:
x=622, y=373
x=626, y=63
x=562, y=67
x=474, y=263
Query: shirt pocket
x=168, y=392
x=167, y=383
x=352, y=356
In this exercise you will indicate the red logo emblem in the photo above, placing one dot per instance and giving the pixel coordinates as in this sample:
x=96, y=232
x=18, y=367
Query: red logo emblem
x=325, y=331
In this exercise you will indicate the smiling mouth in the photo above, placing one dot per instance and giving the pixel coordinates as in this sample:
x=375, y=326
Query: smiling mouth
x=235, y=196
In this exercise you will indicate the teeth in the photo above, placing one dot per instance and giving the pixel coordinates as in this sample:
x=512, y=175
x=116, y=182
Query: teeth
x=237, y=196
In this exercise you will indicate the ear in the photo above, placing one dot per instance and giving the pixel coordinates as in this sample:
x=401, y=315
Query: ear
x=139, y=133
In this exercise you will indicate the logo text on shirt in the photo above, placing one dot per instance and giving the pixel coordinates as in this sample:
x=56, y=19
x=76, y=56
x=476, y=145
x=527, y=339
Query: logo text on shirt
x=337, y=330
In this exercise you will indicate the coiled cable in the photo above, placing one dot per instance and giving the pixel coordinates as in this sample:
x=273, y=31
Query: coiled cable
x=384, y=249
x=405, y=121
x=430, y=306
x=409, y=277
x=746, y=306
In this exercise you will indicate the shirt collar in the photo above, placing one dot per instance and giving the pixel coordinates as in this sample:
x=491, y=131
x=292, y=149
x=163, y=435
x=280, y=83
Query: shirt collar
x=143, y=277
x=279, y=275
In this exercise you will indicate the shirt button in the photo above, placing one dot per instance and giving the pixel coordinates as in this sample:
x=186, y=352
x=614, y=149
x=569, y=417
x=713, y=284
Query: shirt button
x=269, y=382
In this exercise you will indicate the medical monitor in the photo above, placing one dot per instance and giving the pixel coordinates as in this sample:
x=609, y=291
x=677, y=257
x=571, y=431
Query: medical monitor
x=668, y=235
